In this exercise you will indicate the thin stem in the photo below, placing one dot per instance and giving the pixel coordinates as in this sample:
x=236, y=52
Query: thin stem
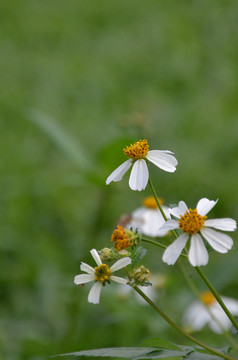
x=217, y=296
x=197, y=294
x=159, y=206
x=157, y=200
x=207, y=282
x=176, y=327
x=158, y=244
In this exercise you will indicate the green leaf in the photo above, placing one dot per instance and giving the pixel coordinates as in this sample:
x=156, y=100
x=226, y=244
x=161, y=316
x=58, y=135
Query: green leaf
x=123, y=352
x=132, y=353
x=138, y=255
x=161, y=343
x=201, y=356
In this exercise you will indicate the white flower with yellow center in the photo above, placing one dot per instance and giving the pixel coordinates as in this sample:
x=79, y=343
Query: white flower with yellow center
x=195, y=226
x=100, y=275
x=197, y=315
x=139, y=154
x=148, y=219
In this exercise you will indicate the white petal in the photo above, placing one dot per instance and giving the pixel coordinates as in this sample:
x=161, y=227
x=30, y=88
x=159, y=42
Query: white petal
x=118, y=279
x=196, y=316
x=180, y=210
x=231, y=304
x=225, y=224
x=139, y=175
x=198, y=254
x=94, y=293
x=83, y=278
x=173, y=251
x=153, y=220
x=118, y=174
x=217, y=240
x=163, y=160
x=96, y=256
x=119, y=264
x=204, y=206
x=168, y=225
x=136, y=221
x=222, y=318
x=88, y=269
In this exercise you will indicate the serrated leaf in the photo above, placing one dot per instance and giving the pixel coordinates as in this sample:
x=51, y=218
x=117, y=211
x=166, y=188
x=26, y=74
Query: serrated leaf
x=123, y=352
x=195, y=355
x=138, y=255
x=165, y=354
x=161, y=343
x=134, y=353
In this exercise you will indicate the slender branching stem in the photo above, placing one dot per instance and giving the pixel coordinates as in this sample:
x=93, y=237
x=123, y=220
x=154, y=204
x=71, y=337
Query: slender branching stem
x=176, y=327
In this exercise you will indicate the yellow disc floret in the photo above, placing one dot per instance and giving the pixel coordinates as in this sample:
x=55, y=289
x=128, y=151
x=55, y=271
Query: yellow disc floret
x=102, y=273
x=191, y=222
x=120, y=239
x=150, y=202
x=138, y=150
x=207, y=298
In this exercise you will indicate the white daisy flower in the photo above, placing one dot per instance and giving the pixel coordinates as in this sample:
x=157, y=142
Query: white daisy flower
x=100, y=275
x=195, y=226
x=139, y=154
x=148, y=219
x=197, y=315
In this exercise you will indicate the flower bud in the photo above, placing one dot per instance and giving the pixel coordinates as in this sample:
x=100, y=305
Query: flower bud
x=142, y=275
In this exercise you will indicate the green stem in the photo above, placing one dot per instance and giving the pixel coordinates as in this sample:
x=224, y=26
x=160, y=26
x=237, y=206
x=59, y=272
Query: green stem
x=197, y=294
x=176, y=327
x=207, y=282
x=159, y=206
x=217, y=296
x=157, y=200
x=159, y=244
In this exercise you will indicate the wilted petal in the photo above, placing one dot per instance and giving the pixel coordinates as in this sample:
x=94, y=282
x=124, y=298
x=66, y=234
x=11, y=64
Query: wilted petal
x=88, y=269
x=168, y=225
x=217, y=240
x=198, y=254
x=139, y=175
x=96, y=256
x=118, y=174
x=163, y=159
x=118, y=279
x=204, y=206
x=83, y=278
x=173, y=251
x=94, y=293
x=225, y=224
x=119, y=264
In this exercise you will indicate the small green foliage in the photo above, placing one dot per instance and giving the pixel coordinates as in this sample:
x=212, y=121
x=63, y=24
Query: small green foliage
x=160, y=349
x=138, y=255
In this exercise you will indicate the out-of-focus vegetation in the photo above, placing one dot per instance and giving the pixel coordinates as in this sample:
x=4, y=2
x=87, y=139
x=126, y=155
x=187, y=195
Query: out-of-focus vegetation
x=79, y=81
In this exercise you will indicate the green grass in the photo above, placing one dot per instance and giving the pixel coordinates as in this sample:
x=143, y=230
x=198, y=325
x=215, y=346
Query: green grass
x=79, y=81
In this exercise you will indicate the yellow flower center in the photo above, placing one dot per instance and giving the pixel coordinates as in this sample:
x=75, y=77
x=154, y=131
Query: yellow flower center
x=150, y=202
x=207, y=298
x=120, y=238
x=191, y=222
x=102, y=273
x=138, y=150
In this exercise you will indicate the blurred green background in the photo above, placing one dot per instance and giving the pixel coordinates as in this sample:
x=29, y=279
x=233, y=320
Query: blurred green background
x=80, y=80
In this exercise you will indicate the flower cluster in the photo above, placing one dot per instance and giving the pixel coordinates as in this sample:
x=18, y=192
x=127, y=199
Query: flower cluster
x=153, y=219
